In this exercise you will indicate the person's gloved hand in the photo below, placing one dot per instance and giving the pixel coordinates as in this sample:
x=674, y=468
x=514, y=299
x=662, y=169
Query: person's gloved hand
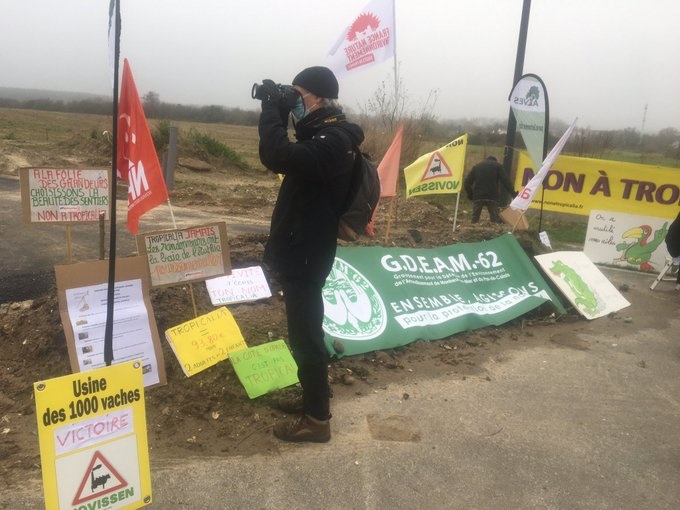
x=272, y=98
x=272, y=94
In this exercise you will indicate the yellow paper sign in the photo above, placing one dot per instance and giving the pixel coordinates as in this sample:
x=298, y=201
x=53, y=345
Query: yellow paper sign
x=206, y=340
x=93, y=444
x=437, y=172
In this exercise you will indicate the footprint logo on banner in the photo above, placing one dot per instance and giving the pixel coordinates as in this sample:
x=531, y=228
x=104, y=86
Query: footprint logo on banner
x=353, y=309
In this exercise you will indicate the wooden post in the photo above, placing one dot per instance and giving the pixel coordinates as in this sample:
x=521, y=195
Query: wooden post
x=102, y=236
x=69, y=249
x=390, y=213
x=193, y=299
x=170, y=159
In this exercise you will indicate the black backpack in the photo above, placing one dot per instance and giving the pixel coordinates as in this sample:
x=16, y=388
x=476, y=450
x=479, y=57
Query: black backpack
x=363, y=198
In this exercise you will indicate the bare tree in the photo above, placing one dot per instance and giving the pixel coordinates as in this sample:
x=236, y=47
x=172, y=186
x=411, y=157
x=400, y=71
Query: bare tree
x=151, y=101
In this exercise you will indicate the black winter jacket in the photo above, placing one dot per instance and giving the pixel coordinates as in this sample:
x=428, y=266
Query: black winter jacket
x=483, y=180
x=673, y=238
x=317, y=174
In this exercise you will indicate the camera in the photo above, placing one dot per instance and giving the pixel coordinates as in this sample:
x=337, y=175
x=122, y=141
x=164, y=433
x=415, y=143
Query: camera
x=289, y=95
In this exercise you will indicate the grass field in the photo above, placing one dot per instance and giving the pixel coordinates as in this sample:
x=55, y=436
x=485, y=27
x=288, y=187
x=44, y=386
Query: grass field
x=39, y=132
x=39, y=126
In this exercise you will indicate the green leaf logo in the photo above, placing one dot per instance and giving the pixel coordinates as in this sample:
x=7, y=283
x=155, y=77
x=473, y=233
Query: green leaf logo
x=353, y=309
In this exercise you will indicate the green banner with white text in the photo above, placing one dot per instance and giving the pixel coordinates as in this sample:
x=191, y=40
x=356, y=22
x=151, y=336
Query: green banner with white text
x=380, y=298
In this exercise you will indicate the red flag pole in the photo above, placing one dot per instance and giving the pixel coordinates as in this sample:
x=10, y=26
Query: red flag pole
x=108, y=330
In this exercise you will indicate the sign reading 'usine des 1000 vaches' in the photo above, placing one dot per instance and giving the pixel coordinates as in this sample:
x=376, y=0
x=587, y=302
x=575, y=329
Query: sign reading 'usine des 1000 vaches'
x=64, y=195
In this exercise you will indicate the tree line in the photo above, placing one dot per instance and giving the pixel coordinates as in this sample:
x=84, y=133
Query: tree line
x=585, y=142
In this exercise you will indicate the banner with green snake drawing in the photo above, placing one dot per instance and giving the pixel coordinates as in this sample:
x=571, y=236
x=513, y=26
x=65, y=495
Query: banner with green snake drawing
x=584, y=285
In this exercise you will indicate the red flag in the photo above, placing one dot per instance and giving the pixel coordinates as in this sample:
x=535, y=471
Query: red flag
x=388, y=172
x=137, y=159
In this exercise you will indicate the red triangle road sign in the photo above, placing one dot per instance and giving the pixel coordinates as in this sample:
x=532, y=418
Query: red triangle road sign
x=98, y=475
x=436, y=168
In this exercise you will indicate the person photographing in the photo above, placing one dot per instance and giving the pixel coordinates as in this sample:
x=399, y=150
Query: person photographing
x=317, y=172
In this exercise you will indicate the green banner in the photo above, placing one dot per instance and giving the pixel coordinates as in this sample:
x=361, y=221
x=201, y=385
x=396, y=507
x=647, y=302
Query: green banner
x=380, y=298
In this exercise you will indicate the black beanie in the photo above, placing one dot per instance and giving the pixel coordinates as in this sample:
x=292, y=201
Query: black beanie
x=320, y=81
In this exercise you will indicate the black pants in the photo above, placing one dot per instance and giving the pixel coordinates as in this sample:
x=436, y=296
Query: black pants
x=491, y=205
x=304, y=312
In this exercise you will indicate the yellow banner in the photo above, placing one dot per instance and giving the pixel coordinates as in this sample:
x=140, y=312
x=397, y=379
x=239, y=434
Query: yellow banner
x=437, y=172
x=577, y=185
x=93, y=444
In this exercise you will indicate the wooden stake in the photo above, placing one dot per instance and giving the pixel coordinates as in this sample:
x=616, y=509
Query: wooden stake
x=193, y=299
x=69, y=248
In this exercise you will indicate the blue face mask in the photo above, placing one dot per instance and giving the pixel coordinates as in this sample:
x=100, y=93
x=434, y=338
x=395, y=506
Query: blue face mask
x=299, y=110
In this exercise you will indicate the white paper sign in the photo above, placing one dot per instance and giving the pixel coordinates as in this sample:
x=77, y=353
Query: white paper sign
x=583, y=284
x=247, y=284
x=627, y=240
x=131, y=334
x=543, y=236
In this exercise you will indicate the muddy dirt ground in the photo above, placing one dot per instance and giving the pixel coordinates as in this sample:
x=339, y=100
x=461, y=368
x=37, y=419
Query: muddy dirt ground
x=210, y=413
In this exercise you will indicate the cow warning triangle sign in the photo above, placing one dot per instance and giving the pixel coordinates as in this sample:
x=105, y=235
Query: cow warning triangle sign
x=100, y=478
x=436, y=168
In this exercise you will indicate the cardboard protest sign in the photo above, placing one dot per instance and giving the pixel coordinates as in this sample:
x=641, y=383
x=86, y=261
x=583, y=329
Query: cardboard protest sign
x=380, y=298
x=186, y=255
x=246, y=284
x=516, y=219
x=93, y=441
x=206, y=340
x=627, y=240
x=82, y=292
x=64, y=195
x=584, y=285
x=265, y=368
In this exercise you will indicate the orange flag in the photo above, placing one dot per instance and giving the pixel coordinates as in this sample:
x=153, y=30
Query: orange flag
x=388, y=172
x=137, y=159
x=388, y=169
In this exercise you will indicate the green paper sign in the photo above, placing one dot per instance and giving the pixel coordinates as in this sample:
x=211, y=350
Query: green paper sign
x=264, y=368
x=380, y=298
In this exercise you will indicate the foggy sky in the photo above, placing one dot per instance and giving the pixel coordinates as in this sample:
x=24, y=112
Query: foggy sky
x=602, y=61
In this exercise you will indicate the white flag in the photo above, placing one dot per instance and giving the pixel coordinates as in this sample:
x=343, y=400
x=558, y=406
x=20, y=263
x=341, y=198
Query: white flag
x=529, y=105
x=369, y=39
x=524, y=197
